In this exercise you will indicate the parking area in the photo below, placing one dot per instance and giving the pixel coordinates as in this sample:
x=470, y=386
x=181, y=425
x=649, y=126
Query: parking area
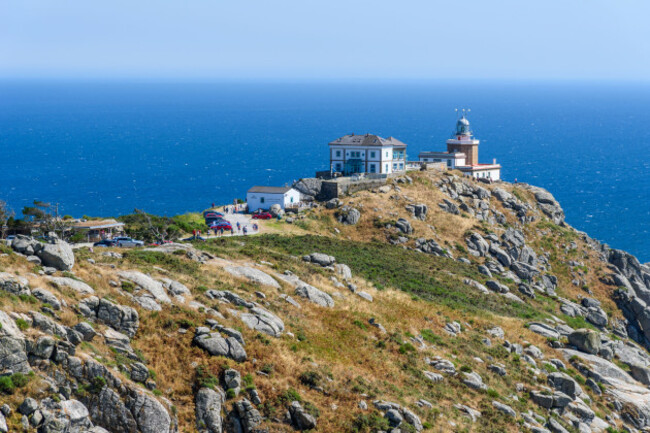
x=234, y=218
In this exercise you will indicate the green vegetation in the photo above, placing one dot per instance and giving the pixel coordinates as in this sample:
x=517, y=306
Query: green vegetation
x=22, y=324
x=168, y=261
x=426, y=276
x=8, y=384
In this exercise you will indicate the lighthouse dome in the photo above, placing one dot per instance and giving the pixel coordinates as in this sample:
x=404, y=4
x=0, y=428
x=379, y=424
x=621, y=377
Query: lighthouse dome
x=462, y=126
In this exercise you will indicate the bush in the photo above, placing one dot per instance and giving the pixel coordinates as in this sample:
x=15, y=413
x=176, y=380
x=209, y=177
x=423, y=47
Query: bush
x=22, y=324
x=6, y=385
x=230, y=394
x=406, y=347
x=370, y=422
x=311, y=378
x=204, y=378
x=97, y=383
x=128, y=286
x=289, y=396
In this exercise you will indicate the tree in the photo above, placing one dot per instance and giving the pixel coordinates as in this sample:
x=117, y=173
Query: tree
x=5, y=215
x=44, y=217
x=148, y=227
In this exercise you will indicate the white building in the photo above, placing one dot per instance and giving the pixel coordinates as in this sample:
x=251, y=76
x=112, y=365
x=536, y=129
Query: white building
x=367, y=153
x=263, y=197
x=462, y=154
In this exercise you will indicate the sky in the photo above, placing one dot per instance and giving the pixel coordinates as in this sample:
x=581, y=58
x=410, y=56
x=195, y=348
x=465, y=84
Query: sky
x=327, y=39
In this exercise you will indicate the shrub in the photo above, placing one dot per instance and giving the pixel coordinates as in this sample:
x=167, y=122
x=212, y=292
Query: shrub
x=157, y=392
x=127, y=286
x=248, y=382
x=230, y=394
x=97, y=383
x=204, y=378
x=370, y=422
x=22, y=324
x=6, y=385
x=19, y=380
x=406, y=347
x=290, y=395
x=465, y=368
x=311, y=378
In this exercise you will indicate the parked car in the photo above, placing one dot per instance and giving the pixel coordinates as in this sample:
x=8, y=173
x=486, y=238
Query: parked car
x=105, y=243
x=262, y=216
x=11, y=237
x=125, y=241
x=223, y=224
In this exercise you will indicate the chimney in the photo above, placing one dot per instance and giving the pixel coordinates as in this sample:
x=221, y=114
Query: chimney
x=494, y=161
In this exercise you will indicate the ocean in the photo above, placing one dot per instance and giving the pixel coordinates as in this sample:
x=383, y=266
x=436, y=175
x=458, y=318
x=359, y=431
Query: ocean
x=105, y=148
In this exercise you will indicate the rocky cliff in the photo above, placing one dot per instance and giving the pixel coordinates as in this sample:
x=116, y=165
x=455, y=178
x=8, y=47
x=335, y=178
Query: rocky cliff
x=433, y=303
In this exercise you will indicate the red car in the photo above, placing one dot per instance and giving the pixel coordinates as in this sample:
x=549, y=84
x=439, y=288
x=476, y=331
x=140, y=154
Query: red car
x=262, y=216
x=221, y=225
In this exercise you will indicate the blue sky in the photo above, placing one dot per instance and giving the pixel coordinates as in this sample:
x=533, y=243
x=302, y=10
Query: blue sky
x=333, y=39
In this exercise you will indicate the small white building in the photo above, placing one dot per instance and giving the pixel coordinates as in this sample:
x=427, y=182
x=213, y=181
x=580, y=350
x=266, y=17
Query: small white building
x=263, y=197
x=462, y=154
x=369, y=153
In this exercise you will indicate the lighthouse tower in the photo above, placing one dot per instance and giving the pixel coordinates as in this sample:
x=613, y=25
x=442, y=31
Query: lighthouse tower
x=464, y=142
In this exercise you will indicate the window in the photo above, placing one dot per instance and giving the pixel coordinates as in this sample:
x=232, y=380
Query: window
x=291, y=199
x=386, y=167
x=386, y=154
x=262, y=200
x=355, y=154
x=437, y=160
x=338, y=167
x=372, y=154
x=372, y=168
x=449, y=163
x=338, y=153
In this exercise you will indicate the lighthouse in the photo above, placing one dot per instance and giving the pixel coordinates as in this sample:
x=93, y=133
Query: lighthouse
x=462, y=153
x=464, y=142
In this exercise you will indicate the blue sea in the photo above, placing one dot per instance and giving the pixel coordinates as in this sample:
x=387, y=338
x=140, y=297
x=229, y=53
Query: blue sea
x=105, y=148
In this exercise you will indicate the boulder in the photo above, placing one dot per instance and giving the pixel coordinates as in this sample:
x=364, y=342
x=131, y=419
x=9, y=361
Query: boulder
x=585, y=340
x=473, y=380
x=504, y=408
x=314, y=295
x=47, y=297
x=565, y=384
x=216, y=345
x=264, y=321
x=245, y=417
x=253, y=275
x=119, y=317
x=208, y=405
x=13, y=356
x=321, y=259
x=57, y=254
x=148, y=284
x=232, y=380
x=404, y=226
x=310, y=187
x=174, y=287
x=14, y=284
x=139, y=372
x=300, y=419
x=348, y=215
x=74, y=284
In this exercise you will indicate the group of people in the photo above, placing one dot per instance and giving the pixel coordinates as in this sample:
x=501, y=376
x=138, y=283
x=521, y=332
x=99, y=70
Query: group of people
x=240, y=229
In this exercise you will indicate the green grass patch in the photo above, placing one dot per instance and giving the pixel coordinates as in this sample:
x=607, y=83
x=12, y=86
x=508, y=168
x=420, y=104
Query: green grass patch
x=384, y=265
x=169, y=262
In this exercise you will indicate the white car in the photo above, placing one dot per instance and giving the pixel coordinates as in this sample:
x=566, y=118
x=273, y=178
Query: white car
x=125, y=241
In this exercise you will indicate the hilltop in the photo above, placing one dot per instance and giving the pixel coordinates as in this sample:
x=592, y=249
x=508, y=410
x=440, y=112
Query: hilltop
x=433, y=303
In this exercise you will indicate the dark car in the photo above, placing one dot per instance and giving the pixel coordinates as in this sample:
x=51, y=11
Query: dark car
x=105, y=243
x=221, y=225
x=262, y=216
